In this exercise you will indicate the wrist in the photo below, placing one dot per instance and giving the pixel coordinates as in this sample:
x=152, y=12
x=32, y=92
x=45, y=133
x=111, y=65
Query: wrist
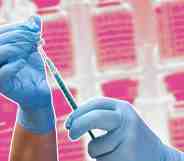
x=39, y=121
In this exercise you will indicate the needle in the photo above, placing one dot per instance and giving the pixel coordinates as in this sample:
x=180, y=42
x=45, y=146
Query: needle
x=62, y=86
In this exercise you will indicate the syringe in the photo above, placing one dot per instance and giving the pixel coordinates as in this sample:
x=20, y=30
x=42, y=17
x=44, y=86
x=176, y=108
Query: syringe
x=62, y=86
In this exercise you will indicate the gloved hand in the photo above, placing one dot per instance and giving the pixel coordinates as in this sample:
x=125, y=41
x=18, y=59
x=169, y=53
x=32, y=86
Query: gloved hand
x=23, y=77
x=128, y=138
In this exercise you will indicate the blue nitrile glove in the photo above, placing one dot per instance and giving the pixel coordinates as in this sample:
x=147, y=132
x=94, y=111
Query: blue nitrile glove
x=128, y=138
x=23, y=77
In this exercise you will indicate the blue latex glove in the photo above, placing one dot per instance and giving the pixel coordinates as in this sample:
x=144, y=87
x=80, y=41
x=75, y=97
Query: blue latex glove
x=127, y=139
x=23, y=77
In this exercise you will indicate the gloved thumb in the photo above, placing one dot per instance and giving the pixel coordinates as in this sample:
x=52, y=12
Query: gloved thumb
x=35, y=23
x=95, y=119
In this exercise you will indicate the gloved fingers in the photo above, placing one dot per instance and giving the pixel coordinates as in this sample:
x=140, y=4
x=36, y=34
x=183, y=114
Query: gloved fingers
x=11, y=69
x=16, y=36
x=97, y=119
x=12, y=27
x=26, y=25
x=109, y=142
x=14, y=50
x=105, y=144
x=95, y=103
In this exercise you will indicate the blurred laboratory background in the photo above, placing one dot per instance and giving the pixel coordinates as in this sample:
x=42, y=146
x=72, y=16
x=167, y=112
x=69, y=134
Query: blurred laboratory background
x=127, y=49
